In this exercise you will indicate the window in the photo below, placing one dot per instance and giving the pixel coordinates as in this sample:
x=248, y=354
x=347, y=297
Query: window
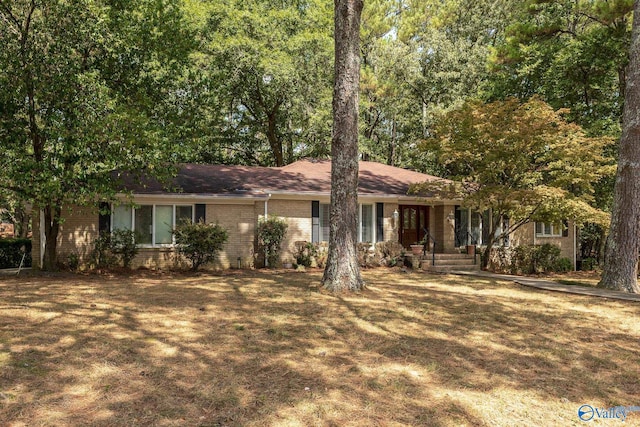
x=324, y=222
x=548, y=230
x=366, y=224
x=152, y=223
x=121, y=218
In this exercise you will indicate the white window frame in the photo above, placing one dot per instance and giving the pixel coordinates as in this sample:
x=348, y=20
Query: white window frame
x=153, y=243
x=373, y=223
x=360, y=233
x=556, y=229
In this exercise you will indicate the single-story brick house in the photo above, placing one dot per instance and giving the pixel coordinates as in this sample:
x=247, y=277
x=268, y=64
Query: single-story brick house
x=236, y=197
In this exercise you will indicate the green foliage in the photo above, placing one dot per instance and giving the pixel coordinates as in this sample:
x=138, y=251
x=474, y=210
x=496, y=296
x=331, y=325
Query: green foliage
x=271, y=233
x=102, y=255
x=390, y=253
x=199, y=242
x=82, y=93
x=421, y=57
x=530, y=259
x=572, y=54
x=266, y=68
x=306, y=252
x=523, y=161
x=589, y=264
x=123, y=245
x=12, y=250
x=73, y=262
x=113, y=248
x=563, y=265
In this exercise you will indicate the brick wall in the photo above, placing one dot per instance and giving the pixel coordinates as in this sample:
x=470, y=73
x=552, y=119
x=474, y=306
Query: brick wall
x=80, y=230
x=76, y=236
x=390, y=232
x=525, y=236
x=443, y=227
x=297, y=214
x=239, y=220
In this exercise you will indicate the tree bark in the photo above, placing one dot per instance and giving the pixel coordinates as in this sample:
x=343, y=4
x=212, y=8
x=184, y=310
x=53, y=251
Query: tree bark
x=274, y=141
x=621, y=255
x=51, y=230
x=343, y=271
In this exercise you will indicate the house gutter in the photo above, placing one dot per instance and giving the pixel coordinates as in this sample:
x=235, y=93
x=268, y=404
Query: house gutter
x=196, y=196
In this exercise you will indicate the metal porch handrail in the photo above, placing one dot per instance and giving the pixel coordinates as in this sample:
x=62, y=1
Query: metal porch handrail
x=426, y=243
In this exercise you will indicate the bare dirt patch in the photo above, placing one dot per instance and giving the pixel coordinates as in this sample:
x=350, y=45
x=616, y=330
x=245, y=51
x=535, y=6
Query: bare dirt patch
x=264, y=348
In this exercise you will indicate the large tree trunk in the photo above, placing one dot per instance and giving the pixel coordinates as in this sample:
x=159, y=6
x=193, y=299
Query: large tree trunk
x=343, y=271
x=51, y=229
x=621, y=256
x=274, y=141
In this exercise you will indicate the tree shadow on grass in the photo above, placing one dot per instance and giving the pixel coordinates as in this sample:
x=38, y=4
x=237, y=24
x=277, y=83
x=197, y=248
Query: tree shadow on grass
x=261, y=349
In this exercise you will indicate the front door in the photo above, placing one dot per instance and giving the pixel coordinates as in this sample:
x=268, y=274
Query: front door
x=413, y=220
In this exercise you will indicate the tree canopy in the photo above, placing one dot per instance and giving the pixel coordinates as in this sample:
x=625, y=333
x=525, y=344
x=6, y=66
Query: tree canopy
x=523, y=161
x=82, y=86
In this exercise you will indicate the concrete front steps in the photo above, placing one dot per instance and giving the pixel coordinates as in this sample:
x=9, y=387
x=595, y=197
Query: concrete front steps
x=450, y=262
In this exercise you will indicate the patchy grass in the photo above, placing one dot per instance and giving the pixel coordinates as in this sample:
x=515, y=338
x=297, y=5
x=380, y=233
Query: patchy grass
x=578, y=278
x=264, y=349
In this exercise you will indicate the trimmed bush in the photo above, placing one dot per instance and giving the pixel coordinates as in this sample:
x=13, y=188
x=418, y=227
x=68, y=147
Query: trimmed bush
x=589, y=264
x=528, y=259
x=199, y=242
x=563, y=265
x=306, y=253
x=111, y=249
x=101, y=255
x=390, y=253
x=12, y=250
x=124, y=246
x=271, y=232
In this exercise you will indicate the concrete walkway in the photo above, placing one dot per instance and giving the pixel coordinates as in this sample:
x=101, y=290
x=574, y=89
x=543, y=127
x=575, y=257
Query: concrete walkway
x=548, y=285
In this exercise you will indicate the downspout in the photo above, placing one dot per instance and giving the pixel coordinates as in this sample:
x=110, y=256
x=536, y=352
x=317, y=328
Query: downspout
x=266, y=215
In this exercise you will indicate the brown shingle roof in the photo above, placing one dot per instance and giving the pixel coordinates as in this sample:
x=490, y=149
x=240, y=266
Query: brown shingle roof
x=304, y=176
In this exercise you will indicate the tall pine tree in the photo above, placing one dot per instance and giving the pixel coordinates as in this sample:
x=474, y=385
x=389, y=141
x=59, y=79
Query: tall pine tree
x=621, y=256
x=343, y=271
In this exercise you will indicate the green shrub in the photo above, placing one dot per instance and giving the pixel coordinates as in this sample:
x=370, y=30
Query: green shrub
x=389, y=253
x=545, y=257
x=199, y=242
x=536, y=259
x=322, y=251
x=101, y=256
x=589, y=264
x=73, y=262
x=563, y=265
x=12, y=251
x=124, y=246
x=306, y=253
x=271, y=232
x=365, y=257
x=111, y=249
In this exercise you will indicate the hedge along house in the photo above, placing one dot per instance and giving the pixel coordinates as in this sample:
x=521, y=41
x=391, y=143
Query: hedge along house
x=237, y=197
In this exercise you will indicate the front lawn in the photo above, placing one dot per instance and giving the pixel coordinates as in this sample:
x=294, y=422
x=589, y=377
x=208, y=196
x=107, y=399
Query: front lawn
x=265, y=348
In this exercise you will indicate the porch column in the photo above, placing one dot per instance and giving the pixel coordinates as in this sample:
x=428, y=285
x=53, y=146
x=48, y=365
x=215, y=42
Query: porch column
x=444, y=222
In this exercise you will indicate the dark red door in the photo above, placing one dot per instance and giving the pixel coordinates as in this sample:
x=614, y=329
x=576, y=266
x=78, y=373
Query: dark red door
x=413, y=220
